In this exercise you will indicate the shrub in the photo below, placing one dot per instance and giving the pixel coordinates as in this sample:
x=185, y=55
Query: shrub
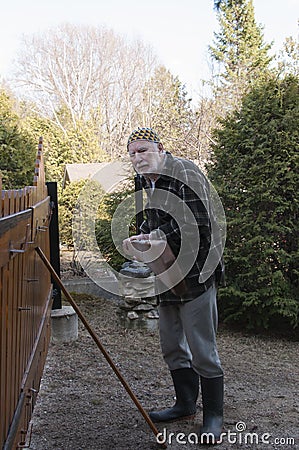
x=255, y=171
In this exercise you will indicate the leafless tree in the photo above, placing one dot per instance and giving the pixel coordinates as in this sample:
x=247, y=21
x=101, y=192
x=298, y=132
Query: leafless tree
x=88, y=73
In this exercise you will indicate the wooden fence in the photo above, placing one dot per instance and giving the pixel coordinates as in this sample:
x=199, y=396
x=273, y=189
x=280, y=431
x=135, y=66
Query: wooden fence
x=25, y=304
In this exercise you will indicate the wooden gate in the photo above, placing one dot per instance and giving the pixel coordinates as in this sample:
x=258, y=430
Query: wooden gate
x=25, y=304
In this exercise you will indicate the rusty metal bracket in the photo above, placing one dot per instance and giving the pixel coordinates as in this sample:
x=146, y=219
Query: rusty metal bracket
x=27, y=433
x=24, y=245
x=15, y=422
x=42, y=228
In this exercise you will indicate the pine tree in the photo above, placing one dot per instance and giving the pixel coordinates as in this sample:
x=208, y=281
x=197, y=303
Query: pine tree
x=166, y=107
x=255, y=171
x=239, y=50
x=17, y=149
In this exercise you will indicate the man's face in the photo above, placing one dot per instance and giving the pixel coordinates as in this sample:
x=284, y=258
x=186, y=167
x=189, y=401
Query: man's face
x=146, y=156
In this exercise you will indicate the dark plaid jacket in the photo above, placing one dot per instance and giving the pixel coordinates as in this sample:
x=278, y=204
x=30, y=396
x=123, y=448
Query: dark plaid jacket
x=180, y=186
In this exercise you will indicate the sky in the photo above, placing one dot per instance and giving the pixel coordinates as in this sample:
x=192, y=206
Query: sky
x=179, y=31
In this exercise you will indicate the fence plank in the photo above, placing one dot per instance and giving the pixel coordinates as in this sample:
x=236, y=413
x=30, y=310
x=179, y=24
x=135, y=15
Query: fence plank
x=3, y=381
x=1, y=195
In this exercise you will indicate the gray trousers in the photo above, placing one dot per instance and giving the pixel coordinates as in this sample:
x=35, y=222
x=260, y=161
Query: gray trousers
x=188, y=335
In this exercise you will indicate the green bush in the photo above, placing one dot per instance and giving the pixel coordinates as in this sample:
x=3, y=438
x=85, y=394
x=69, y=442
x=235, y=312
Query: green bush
x=89, y=193
x=17, y=149
x=104, y=238
x=255, y=171
x=66, y=205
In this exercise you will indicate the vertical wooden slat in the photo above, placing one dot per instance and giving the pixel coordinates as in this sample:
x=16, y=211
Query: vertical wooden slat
x=18, y=322
x=0, y=195
x=13, y=299
x=11, y=195
x=3, y=318
x=23, y=304
x=2, y=340
x=9, y=336
x=5, y=203
x=5, y=397
x=22, y=199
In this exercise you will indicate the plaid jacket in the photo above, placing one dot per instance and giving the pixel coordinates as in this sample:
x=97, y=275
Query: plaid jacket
x=179, y=205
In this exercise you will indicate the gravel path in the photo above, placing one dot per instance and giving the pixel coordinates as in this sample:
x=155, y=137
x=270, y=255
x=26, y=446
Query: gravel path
x=83, y=406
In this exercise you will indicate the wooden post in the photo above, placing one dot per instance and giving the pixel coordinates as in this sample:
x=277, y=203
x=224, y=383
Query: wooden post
x=54, y=243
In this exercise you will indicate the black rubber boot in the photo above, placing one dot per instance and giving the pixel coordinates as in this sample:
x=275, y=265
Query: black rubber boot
x=186, y=385
x=212, y=402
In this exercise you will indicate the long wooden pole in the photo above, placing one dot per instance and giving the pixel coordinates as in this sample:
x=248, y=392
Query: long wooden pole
x=98, y=343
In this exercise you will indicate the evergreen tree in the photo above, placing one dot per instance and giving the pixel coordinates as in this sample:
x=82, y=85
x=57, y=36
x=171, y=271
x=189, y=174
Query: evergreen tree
x=166, y=107
x=65, y=146
x=55, y=153
x=238, y=49
x=17, y=148
x=255, y=171
x=217, y=4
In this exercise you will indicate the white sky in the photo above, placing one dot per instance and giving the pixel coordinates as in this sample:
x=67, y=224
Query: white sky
x=178, y=30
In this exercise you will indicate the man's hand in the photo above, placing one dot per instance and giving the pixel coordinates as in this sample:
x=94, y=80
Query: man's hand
x=129, y=247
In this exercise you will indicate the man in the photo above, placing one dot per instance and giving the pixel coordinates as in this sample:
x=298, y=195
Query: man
x=179, y=208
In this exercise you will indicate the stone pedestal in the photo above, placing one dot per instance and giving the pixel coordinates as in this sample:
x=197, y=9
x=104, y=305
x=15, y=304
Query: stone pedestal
x=64, y=323
x=137, y=288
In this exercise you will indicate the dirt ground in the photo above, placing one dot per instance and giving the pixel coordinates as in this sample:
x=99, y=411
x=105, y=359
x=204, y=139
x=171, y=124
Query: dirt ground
x=83, y=406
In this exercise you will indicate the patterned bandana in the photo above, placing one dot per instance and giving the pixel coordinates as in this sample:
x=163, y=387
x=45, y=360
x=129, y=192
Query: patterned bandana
x=143, y=134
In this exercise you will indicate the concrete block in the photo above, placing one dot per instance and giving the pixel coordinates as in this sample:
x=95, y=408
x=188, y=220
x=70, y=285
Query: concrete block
x=64, y=323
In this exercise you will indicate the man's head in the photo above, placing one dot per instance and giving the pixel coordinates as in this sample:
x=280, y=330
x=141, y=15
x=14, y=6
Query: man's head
x=146, y=151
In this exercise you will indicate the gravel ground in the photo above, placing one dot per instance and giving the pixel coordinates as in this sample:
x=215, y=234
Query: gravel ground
x=83, y=406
